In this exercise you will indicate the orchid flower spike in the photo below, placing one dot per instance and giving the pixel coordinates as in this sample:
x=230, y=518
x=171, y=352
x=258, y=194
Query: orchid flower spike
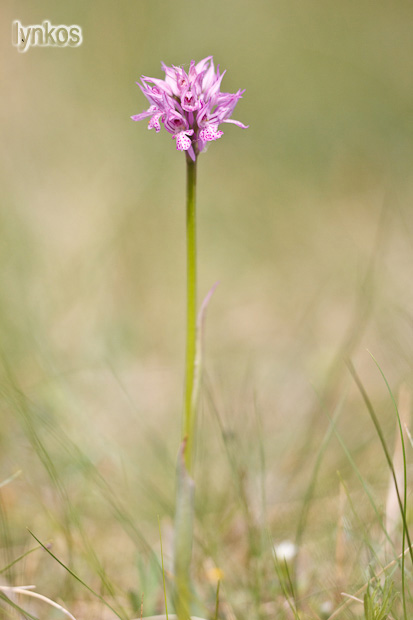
x=190, y=105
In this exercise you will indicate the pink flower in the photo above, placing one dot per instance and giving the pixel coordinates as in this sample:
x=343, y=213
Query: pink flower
x=190, y=105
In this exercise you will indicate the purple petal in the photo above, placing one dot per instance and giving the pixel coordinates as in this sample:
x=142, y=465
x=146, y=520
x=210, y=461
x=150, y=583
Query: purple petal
x=215, y=87
x=191, y=152
x=208, y=77
x=201, y=64
x=201, y=145
x=142, y=115
x=161, y=84
x=238, y=123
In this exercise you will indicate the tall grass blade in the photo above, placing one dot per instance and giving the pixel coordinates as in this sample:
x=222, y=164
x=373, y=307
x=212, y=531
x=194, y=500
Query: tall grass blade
x=217, y=600
x=402, y=505
x=399, y=462
x=363, y=483
x=16, y=607
x=336, y=613
x=27, y=591
x=199, y=353
x=163, y=573
x=302, y=521
x=281, y=580
x=361, y=524
x=384, y=445
x=21, y=557
x=100, y=598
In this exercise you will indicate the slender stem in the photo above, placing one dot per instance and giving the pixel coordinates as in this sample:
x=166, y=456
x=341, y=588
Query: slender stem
x=185, y=488
x=189, y=411
x=184, y=508
x=163, y=573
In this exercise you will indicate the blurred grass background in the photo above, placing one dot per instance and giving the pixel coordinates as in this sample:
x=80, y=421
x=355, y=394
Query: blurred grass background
x=305, y=219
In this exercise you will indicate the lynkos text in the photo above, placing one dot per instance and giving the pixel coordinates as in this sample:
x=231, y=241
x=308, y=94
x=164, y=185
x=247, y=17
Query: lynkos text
x=45, y=35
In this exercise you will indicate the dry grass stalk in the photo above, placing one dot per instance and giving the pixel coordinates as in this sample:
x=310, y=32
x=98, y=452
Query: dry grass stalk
x=340, y=544
x=393, y=516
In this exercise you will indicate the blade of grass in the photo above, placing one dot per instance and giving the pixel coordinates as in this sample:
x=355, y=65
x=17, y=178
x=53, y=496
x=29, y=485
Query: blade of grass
x=5, y=534
x=344, y=606
x=399, y=460
x=29, y=413
x=100, y=598
x=362, y=482
x=217, y=600
x=302, y=521
x=14, y=605
x=402, y=505
x=384, y=445
x=361, y=524
x=291, y=603
x=340, y=548
x=21, y=557
x=163, y=571
x=28, y=592
x=233, y=453
x=10, y=478
x=199, y=355
x=71, y=518
x=263, y=467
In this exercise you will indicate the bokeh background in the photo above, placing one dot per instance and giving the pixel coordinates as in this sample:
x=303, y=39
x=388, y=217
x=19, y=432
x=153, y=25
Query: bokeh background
x=305, y=219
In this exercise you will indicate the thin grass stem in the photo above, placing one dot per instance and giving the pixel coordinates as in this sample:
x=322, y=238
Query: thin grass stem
x=21, y=557
x=163, y=570
x=25, y=590
x=76, y=577
x=346, y=603
x=385, y=449
x=217, y=600
x=403, y=506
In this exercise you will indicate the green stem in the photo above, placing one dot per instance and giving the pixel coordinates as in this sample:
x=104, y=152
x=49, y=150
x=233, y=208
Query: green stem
x=191, y=316
x=184, y=508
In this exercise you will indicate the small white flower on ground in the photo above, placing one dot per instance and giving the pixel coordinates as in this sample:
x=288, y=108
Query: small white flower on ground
x=285, y=551
x=326, y=608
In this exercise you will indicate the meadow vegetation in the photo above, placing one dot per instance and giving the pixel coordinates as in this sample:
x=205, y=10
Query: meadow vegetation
x=306, y=221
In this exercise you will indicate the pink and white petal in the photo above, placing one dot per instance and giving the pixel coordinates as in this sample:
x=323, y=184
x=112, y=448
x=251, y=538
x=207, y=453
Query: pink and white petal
x=210, y=133
x=183, y=143
x=154, y=122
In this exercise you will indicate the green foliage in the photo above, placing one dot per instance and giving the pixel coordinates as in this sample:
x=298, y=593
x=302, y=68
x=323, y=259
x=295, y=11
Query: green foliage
x=378, y=600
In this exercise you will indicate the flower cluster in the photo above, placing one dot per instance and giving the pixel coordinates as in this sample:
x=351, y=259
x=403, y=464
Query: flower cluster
x=190, y=105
